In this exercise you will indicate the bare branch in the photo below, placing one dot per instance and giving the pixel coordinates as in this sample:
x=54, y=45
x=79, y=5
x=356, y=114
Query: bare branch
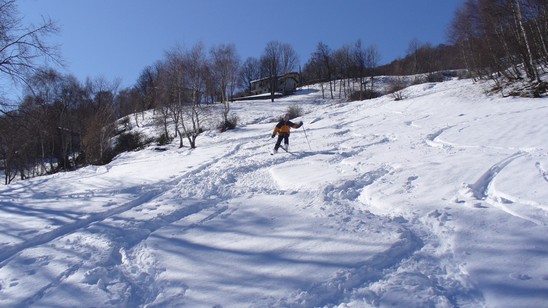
x=22, y=47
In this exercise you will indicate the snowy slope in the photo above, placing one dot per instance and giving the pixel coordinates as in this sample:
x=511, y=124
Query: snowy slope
x=439, y=200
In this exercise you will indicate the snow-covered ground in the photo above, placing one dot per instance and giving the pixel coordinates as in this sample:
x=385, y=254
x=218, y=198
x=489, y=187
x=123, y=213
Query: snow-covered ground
x=439, y=200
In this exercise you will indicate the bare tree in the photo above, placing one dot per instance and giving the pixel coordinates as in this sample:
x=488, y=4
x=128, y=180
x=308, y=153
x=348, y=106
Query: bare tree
x=21, y=46
x=289, y=58
x=412, y=51
x=529, y=58
x=175, y=90
x=271, y=65
x=498, y=38
x=320, y=68
x=312, y=72
x=249, y=71
x=342, y=60
x=539, y=27
x=46, y=114
x=277, y=59
x=146, y=92
x=325, y=57
x=99, y=120
x=373, y=57
x=45, y=132
x=13, y=139
x=163, y=97
x=360, y=64
x=182, y=86
x=225, y=63
x=197, y=71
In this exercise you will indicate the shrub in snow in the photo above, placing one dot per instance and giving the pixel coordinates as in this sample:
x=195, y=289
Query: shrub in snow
x=228, y=124
x=294, y=111
x=129, y=142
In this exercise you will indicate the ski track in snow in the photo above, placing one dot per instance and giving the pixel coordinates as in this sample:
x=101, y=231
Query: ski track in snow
x=484, y=189
x=8, y=252
x=110, y=230
x=480, y=188
x=119, y=239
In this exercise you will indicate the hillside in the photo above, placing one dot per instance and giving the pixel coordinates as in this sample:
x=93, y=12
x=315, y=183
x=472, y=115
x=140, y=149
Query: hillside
x=438, y=200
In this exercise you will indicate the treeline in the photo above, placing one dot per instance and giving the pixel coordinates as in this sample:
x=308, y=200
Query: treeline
x=502, y=38
x=349, y=72
x=341, y=69
x=60, y=124
x=423, y=58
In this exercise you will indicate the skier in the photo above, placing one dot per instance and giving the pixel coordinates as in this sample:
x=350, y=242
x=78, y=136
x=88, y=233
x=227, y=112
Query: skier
x=282, y=129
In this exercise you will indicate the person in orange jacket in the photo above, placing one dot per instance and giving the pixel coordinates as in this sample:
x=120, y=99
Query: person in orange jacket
x=282, y=129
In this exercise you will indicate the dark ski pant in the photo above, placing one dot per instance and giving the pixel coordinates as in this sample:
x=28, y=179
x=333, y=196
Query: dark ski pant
x=285, y=138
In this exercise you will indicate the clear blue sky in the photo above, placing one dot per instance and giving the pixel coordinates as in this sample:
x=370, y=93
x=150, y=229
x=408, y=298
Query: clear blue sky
x=119, y=38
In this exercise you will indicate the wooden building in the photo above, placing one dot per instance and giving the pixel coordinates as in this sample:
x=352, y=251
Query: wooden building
x=285, y=84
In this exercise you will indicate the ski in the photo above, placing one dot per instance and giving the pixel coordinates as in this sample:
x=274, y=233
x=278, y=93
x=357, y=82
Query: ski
x=281, y=147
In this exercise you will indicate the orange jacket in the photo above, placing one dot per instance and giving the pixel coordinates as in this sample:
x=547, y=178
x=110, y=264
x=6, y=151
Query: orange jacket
x=283, y=127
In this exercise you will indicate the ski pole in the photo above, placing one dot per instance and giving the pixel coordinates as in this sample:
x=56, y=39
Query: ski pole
x=304, y=130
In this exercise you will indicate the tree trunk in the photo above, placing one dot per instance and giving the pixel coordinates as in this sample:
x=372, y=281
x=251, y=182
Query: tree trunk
x=532, y=71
